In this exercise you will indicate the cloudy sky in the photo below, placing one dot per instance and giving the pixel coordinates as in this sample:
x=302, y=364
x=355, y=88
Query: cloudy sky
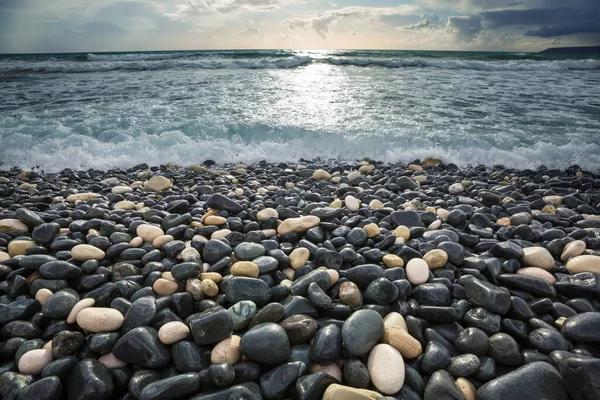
x=113, y=25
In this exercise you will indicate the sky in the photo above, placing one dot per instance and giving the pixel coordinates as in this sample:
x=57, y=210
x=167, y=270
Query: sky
x=47, y=26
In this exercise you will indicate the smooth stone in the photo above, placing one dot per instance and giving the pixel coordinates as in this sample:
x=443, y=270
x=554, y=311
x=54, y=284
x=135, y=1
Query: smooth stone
x=141, y=346
x=111, y=362
x=210, y=326
x=537, y=380
x=441, y=385
x=402, y=341
x=548, y=340
x=327, y=344
x=246, y=391
x=488, y=296
x=351, y=203
x=467, y=389
x=19, y=247
x=66, y=343
x=43, y=295
x=84, y=252
x=247, y=251
x=472, y=340
x=241, y=313
x=244, y=288
x=173, y=332
x=582, y=377
x=392, y=261
x=59, y=270
x=537, y=286
x=381, y=291
x=214, y=250
x=340, y=392
x=149, y=232
x=159, y=183
x=537, y=257
x=406, y=218
x=313, y=386
x=227, y=351
x=89, y=380
x=49, y=388
x=386, y=368
x=220, y=202
x=573, y=249
x=301, y=224
x=99, y=319
x=245, y=268
x=172, y=387
x=299, y=257
x=436, y=258
x=362, y=331
x=537, y=273
x=586, y=263
x=60, y=304
x=508, y=250
x=45, y=233
x=34, y=361
x=435, y=357
x=504, y=349
x=13, y=225
x=417, y=271
x=582, y=328
x=277, y=381
x=80, y=305
x=189, y=357
x=432, y=294
x=266, y=343
x=266, y=213
x=318, y=297
x=299, y=328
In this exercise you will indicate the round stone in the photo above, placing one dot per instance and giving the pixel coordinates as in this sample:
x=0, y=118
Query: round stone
x=266, y=343
x=159, y=183
x=386, y=368
x=300, y=224
x=352, y=203
x=149, y=232
x=537, y=257
x=393, y=261
x=84, y=252
x=245, y=268
x=573, y=249
x=227, y=351
x=267, y=213
x=34, y=361
x=299, y=257
x=362, y=331
x=436, y=258
x=173, y=332
x=321, y=175
x=100, y=319
x=587, y=263
x=417, y=271
x=81, y=304
x=10, y=225
x=538, y=273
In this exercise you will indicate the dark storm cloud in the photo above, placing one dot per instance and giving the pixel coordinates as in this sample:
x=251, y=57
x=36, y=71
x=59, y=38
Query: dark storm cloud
x=578, y=17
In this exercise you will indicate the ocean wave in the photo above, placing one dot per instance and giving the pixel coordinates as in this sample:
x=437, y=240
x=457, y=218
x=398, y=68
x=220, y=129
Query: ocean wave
x=184, y=61
x=123, y=150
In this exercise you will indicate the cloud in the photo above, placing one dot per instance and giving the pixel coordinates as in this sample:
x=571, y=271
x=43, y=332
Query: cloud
x=465, y=29
x=321, y=23
x=203, y=7
x=428, y=22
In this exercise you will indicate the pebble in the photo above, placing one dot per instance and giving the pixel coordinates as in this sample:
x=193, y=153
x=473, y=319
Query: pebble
x=165, y=287
x=582, y=328
x=34, y=361
x=301, y=224
x=573, y=249
x=436, y=258
x=340, y=392
x=141, y=346
x=299, y=257
x=80, y=305
x=89, y=379
x=386, y=368
x=149, y=233
x=99, y=319
x=173, y=332
x=586, y=263
x=537, y=257
x=266, y=343
x=84, y=252
x=538, y=273
x=227, y=351
x=393, y=261
x=159, y=183
x=362, y=331
x=417, y=271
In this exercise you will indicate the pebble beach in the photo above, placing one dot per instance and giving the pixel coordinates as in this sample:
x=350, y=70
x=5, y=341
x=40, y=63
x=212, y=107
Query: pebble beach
x=305, y=280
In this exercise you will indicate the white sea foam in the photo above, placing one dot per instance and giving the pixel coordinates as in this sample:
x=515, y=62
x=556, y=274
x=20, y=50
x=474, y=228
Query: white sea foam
x=83, y=152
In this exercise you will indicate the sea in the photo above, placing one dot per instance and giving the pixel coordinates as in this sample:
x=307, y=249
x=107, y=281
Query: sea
x=108, y=110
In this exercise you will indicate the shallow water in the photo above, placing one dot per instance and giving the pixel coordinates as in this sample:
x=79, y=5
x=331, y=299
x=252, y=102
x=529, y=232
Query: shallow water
x=121, y=109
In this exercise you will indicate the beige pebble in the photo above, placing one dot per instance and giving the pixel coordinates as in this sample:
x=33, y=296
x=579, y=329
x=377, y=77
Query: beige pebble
x=560, y=321
x=376, y=204
x=549, y=209
x=321, y=175
x=417, y=271
x=556, y=200
x=386, y=368
x=190, y=254
x=159, y=183
x=298, y=257
x=504, y=221
x=110, y=361
x=286, y=282
x=366, y=169
x=340, y=392
x=436, y=258
x=301, y=224
x=352, y=203
x=350, y=294
x=80, y=305
x=136, y=242
x=289, y=273
x=121, y=189
x=435, y=225
x=394, y=319
x=466, y=388
x=10, y=224
x=19, y=247
x=215, y=220
x=99, y=319
x=213, y=276
x=220, y=234
x=227, y=351
x=337, y=203
x=333, y=275
x=393, y=261
x=331, y=369
x=43, y=295
x=168, y=276
x=209, y=288
x=402, y=341
x=245, y=268
x=81, y=197
x=239, y=192
x=84, y=252
x=537, y=257
x=149, y=232
x=4, y=256
x=165, y=287
x=125, y=205
x=573, y=249
x=34, y=361
x=173, y=332
x=442, y=213
x=538, y=273
x=372, y=230
x=585, y=263
x=420, y=178
x=402, y=232
x=267, y=213
x=269, y=233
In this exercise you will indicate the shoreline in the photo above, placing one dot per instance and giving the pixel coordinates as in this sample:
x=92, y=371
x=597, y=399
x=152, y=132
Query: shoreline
x=309, y=280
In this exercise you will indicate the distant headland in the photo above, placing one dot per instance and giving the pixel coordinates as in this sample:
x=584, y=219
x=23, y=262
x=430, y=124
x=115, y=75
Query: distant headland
x=572, y=50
